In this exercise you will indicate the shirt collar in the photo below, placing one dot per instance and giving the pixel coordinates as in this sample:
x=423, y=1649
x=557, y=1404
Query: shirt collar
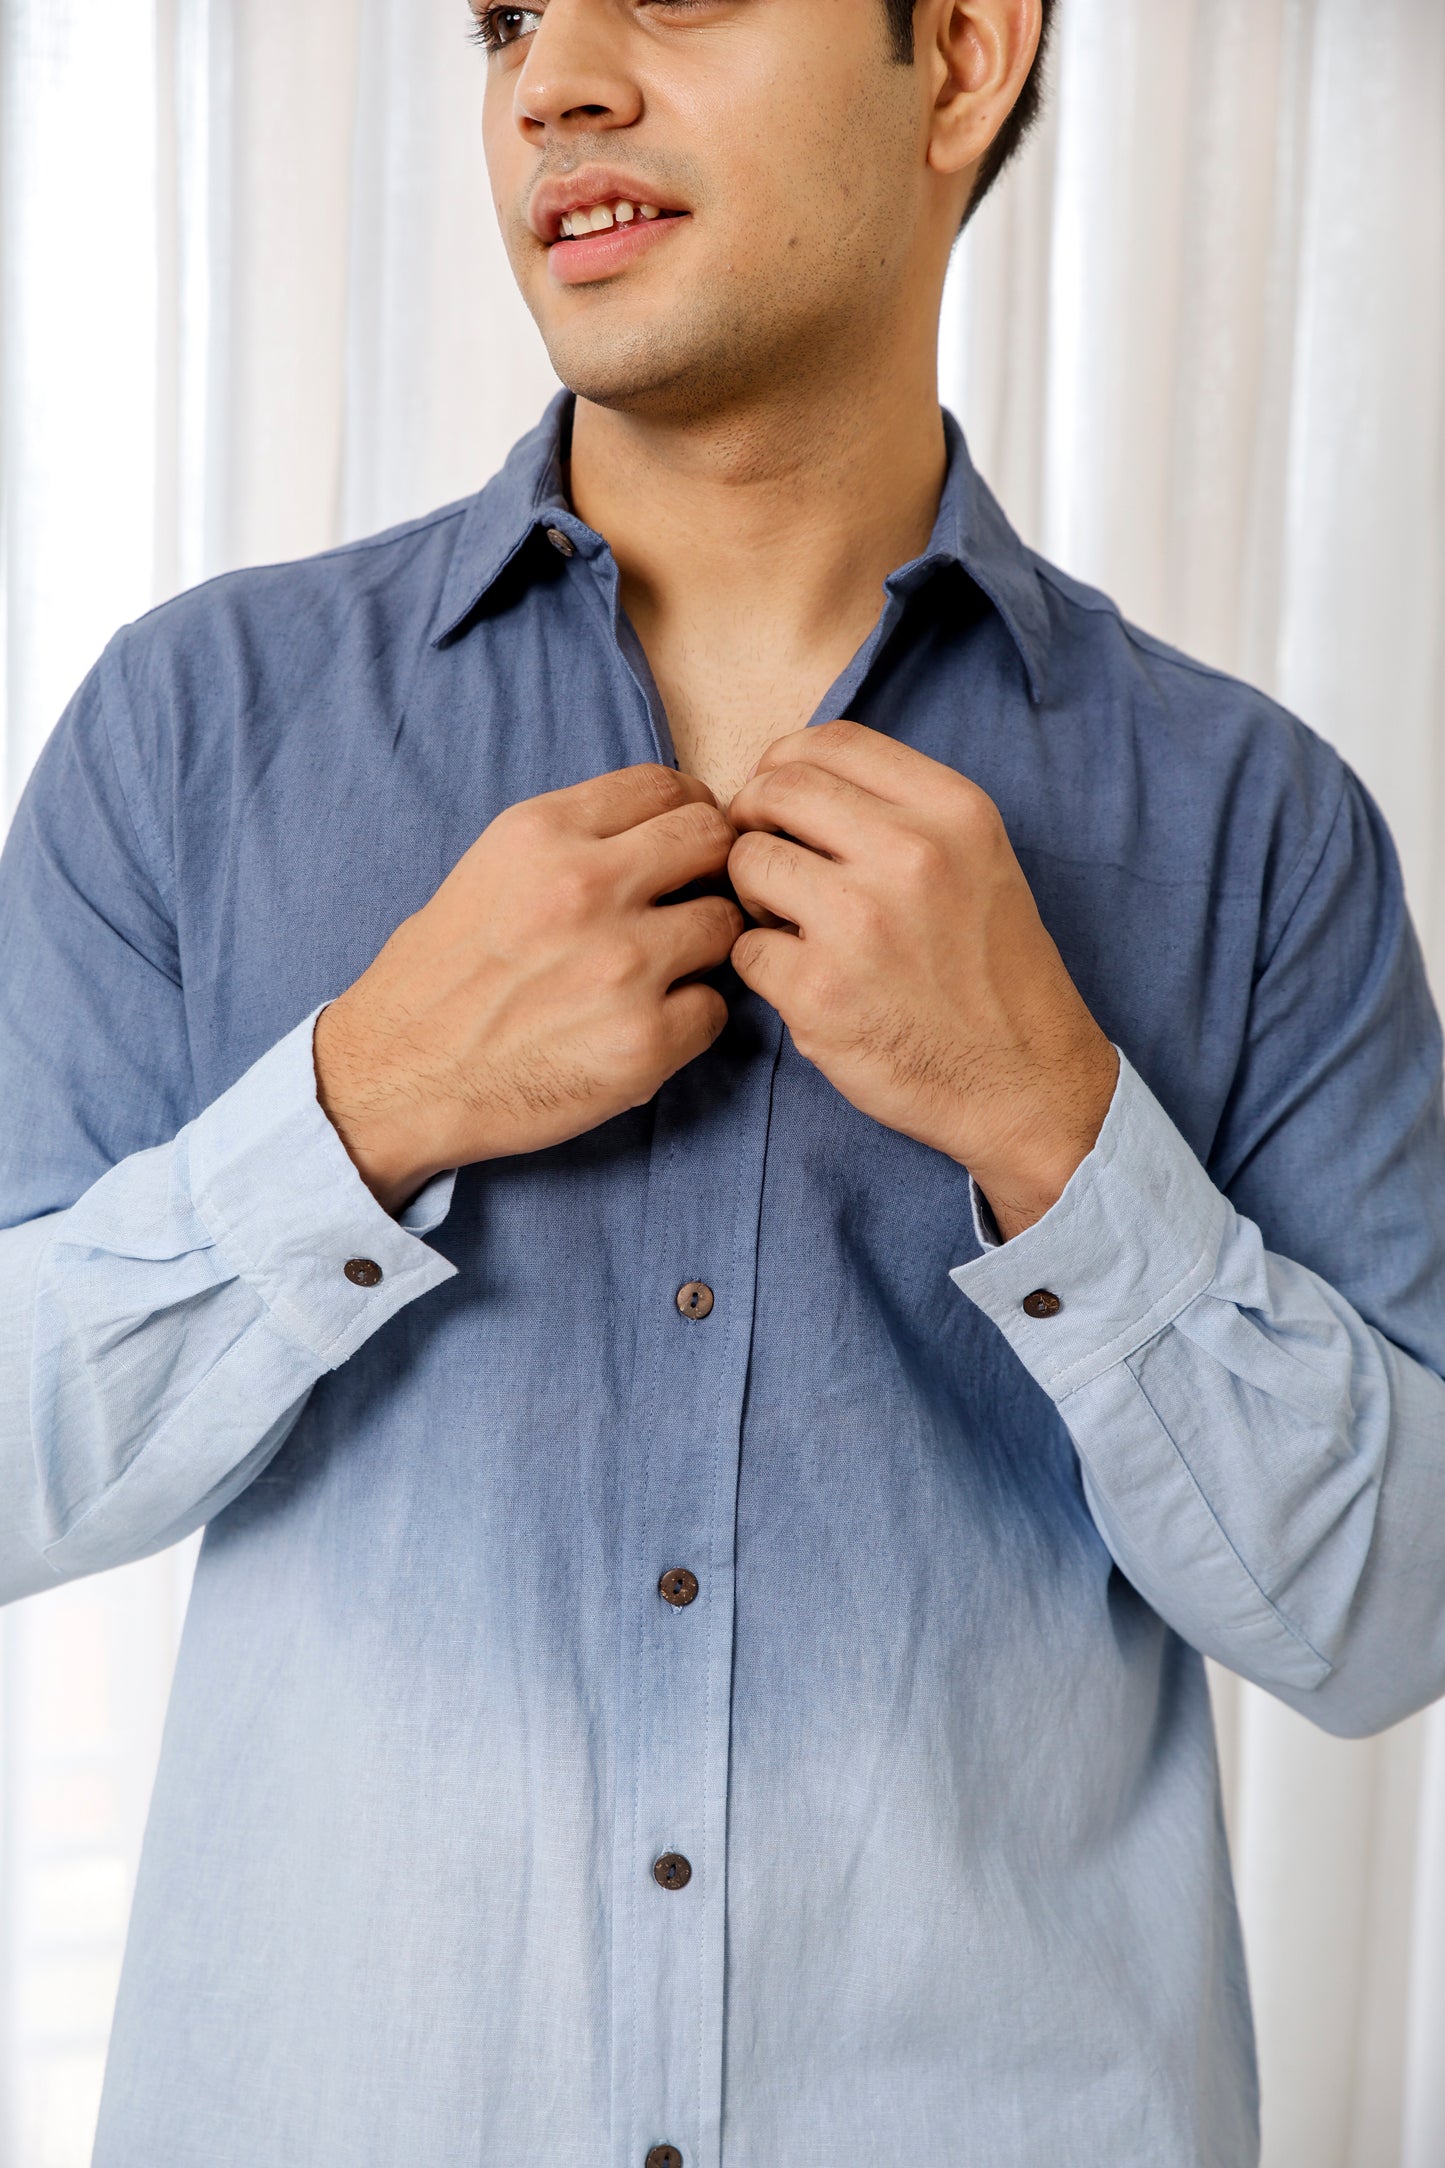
x=527, y=495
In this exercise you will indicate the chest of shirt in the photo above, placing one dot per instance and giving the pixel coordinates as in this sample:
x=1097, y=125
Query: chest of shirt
x=334, y=798
x=865, y=1394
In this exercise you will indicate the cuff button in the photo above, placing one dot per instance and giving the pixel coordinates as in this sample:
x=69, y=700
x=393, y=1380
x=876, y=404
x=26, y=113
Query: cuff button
x=364, y=1272
x=1042, y=1303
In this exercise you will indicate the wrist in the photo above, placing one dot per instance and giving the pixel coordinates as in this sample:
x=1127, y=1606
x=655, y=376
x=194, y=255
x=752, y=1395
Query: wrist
x=1026, y=1173
x=385, y=1158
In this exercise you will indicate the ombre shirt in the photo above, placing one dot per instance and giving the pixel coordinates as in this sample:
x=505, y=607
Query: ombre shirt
x=697, y=1651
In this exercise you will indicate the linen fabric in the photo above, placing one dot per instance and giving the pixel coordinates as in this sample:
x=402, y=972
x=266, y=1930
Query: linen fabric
x=934, y=1736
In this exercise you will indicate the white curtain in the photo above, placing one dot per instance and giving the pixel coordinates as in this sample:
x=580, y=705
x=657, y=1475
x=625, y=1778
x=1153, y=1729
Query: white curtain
x=251, y=301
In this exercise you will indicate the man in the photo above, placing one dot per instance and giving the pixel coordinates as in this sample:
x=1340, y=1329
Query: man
x=742, y=1292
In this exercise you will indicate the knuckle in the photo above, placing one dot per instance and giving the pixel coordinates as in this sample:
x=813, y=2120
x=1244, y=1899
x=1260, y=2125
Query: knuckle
x=866, y=917
x=657, y=787
x=524, y=823
x=705, y=825
x=774, y=856
x=641, y=1047
x=977, y=813
x=719, y=921
x=787, y=779
x=917, y=857
x=572, y=889
x=621, y=963
x=747, y=950
x=702, y=1016
x=744, y=862
x=715, y=1017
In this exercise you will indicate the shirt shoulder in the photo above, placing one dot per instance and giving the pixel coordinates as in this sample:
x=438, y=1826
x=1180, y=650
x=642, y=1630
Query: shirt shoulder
x=263, y=616
x=1226, y=777
x=266, y=666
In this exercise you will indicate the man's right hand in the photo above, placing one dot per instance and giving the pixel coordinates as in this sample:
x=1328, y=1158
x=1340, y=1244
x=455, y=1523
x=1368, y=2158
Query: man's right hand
x=538, y=993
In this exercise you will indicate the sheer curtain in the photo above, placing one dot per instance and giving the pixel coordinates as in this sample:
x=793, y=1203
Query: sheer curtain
x=253, y=302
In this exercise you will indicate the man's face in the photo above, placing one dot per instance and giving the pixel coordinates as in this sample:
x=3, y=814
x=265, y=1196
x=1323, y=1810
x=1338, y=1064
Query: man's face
x=780, y=144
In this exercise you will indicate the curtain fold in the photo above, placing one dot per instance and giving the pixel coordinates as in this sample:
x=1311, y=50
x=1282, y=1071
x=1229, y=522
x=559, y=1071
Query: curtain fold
x=252, y=302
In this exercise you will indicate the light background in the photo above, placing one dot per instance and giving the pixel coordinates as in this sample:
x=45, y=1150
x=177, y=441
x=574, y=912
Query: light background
x=251, y=302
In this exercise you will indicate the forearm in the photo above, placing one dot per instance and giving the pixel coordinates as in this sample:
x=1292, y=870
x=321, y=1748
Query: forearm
x=1266, y=1468
x=160, y=1338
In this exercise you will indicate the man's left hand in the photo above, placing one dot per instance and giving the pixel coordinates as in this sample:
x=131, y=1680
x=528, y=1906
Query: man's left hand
x=901, y=944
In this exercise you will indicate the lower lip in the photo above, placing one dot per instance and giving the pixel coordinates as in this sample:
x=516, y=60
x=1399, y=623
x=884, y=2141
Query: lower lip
x=600, y=255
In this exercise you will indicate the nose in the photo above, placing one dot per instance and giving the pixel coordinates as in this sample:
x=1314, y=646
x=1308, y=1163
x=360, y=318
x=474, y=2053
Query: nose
x=574, y=79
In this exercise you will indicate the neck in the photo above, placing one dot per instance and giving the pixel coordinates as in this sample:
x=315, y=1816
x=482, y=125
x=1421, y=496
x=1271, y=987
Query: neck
x=796, y=506
x=753, y=544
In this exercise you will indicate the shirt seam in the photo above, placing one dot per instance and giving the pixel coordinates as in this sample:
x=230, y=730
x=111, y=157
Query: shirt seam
x=1306, y=877
x=1094, y=603
x=1128, y=1340
x=318, y=1350
x=148, y=841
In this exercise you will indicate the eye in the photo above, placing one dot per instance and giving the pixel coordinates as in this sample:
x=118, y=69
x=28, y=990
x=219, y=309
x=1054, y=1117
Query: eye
x=498, y=28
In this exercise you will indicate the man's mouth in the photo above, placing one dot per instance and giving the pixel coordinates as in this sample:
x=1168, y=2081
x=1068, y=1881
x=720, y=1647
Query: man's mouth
x=600, y=217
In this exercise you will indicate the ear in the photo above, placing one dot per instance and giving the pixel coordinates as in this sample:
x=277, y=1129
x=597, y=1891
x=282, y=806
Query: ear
x=979, y=53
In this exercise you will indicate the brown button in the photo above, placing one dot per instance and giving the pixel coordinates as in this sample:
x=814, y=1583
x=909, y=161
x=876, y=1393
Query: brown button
x=663, y=2156
x=561, y=543
x=694, y=1300
x=672, y=1871
x=1042, y=1304
x=677, y=1587
x=364, y=1272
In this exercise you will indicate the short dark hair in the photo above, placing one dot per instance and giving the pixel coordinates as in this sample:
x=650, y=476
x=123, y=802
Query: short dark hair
x=1026, y=108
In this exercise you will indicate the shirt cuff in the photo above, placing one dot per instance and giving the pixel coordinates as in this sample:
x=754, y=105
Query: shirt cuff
x=278, y=1194
x=1131, y=1242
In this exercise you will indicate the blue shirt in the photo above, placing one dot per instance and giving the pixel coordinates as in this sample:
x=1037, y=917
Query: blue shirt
x=934, y=1734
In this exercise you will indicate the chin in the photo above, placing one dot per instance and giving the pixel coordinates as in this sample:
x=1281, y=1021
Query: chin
x=672, y=370
x=642, y=373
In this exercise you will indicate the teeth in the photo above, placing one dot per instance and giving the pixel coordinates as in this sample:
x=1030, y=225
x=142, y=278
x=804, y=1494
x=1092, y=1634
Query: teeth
x=603, y=215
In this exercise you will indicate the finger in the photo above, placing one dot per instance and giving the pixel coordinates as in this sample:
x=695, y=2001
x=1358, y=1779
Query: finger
x=694, y=1016
x=695, y=936
x=820, y=808
x=771, y=874
x=765, y=962
x=671, y=849
x=898, y=774
x=608, y=805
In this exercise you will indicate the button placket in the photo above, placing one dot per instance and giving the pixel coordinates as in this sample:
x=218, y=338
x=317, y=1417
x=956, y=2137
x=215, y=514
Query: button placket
x=678, y=1486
